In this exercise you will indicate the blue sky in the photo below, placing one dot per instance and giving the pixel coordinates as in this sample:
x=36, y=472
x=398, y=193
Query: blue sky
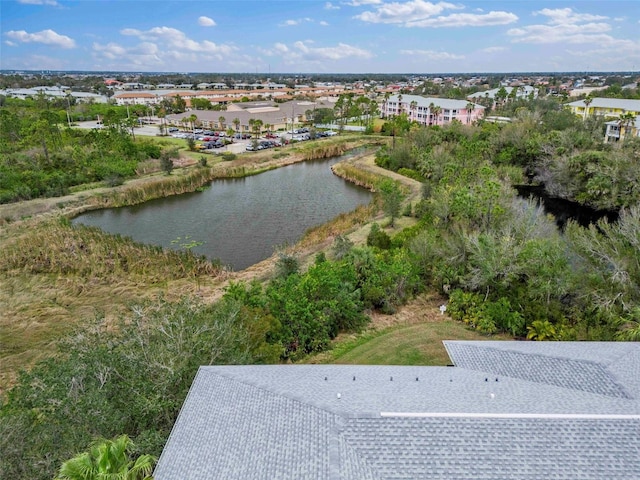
x=309, y=36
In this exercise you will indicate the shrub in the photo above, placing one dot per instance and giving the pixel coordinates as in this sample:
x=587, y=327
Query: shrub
x=113, y=180
x=378, y=238
x=229, y=156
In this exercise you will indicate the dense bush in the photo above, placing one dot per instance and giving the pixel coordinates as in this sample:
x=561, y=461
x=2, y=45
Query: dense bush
x=127, y=378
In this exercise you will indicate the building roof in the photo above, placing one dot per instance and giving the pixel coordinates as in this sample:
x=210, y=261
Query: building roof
x=526, y=90
x=517, y=410
x=616, y=103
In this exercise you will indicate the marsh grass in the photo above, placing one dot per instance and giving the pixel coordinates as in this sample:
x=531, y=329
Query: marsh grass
x=353, y=174
x=54, y=275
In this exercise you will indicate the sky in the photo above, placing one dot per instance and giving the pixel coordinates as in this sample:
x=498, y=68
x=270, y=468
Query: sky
x=309, y=36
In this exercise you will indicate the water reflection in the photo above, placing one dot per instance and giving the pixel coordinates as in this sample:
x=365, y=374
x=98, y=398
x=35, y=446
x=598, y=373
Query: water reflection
x=239, y=221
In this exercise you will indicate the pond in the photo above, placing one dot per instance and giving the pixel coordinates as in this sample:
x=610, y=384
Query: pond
x=564, y=210
x=238, y=221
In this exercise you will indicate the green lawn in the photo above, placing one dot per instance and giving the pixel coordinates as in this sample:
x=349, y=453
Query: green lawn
x=405, y=345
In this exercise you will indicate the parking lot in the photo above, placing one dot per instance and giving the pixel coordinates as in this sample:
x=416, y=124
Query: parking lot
x=238, y=145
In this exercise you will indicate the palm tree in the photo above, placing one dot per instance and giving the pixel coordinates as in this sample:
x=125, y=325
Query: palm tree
x=221, y=121
x=386, y=100
x=192, y=120
x=256, y=126
x=162, y=114
x=470, y=108
x=436, y=112
x=236, y=123
x=108, y=460
x=624, y=122
x=412, y=107
x=587, y=101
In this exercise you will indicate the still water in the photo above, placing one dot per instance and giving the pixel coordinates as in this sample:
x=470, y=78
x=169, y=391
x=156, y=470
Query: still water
x=239, y=221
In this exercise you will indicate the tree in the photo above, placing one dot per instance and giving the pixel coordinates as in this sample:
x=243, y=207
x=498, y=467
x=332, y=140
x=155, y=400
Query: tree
x=391, y=198
x=166, y=162
x=501, y=95
x=385, y=101
x=193, y=118
x=106, y=460
x=435, y=109
x=256, y=126
x=470, y=108
x=221, y=121
x=236, y=123
x=625, y=122
x=587, y=101
x=412, y=108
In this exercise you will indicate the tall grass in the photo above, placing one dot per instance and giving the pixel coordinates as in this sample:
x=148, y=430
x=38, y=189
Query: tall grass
x=60, y=249
x=356, y=175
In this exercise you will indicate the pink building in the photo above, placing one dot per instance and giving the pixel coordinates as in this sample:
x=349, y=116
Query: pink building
x=432, y=111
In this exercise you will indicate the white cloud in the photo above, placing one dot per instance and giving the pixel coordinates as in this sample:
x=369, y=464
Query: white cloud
x=331, y=6
x=298, y=21
x=10, y=43
x=160, y=47
x=494, y=49
x=432, y=55
x=304, y=52
x=357, y=3
x=339, y=52
x=396, y=12
x=563, y=16
x=130, y=31
x=466, y=20
x=206, y=22
x=566, y=27
x=176, y=40
x=281, y=48
x=48, y=37
x=39, y=2
x=419, y=13
x=323, y=23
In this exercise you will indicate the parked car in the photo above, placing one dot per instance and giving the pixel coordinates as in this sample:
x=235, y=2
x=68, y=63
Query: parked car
x=330, y=133
x=172, y=129
x=271, y=135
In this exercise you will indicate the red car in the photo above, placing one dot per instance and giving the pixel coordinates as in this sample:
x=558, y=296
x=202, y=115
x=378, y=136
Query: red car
x=271, y=135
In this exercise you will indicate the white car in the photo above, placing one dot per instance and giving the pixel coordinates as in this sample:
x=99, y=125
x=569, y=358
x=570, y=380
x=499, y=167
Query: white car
x=330, y=133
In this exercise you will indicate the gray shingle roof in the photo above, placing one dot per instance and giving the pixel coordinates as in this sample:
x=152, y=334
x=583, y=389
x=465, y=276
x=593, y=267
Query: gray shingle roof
x=482, y=419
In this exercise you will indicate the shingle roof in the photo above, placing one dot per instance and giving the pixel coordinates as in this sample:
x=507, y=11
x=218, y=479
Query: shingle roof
x=601, y=102
x=485, y=418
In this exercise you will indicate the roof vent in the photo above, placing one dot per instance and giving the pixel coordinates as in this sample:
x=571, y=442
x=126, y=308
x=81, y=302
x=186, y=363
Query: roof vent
x=338, y=396
x=325, y=379
x=416, y=379
x=354, y=378
x=391, y=379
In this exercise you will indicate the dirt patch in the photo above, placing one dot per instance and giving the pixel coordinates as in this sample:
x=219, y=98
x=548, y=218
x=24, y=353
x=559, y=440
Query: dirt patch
x=424, y=308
